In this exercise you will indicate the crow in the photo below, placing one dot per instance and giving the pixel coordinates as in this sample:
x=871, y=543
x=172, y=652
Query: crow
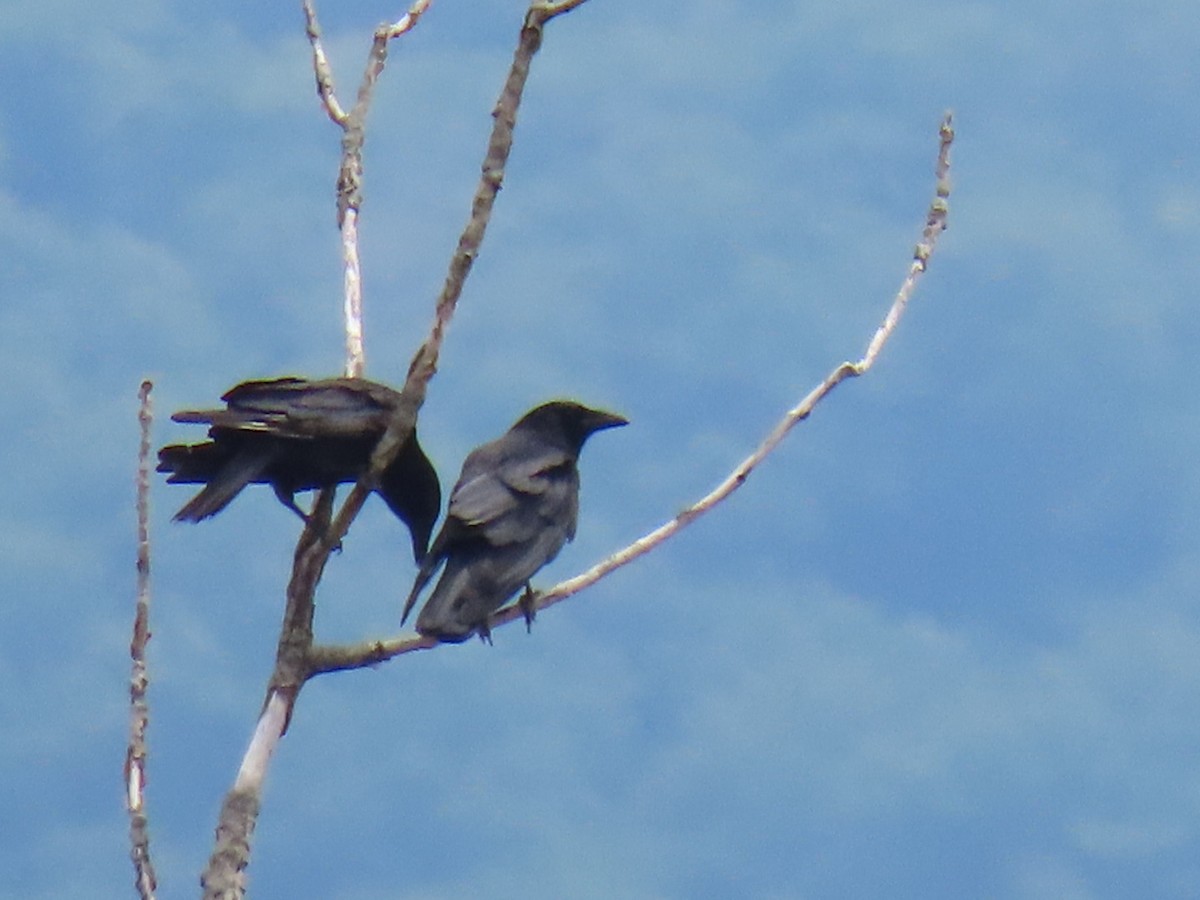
x=299, y=435
x=514, y=506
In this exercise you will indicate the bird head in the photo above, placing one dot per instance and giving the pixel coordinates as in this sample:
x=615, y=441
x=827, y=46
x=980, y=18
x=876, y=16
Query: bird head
x=568, y=421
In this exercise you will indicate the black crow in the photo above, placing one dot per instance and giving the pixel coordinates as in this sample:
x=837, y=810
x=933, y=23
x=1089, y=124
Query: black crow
x=298, y=435
x=514, y=506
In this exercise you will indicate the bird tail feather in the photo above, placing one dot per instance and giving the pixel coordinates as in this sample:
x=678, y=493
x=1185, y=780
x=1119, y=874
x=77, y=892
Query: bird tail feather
x=243, y=468
x=429, y=565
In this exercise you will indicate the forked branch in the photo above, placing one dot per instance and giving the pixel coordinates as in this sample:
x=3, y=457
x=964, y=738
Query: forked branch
x=295, y=660
x=349, y=182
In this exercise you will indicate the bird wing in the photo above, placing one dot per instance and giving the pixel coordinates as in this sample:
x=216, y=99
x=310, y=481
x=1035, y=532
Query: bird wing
x=505, y=493
x=301, y=409
x=522, y=522
x=509, y=494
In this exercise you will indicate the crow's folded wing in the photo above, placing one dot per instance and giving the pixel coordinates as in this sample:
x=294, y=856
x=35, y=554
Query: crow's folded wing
x=299, y=408
x=512, y=498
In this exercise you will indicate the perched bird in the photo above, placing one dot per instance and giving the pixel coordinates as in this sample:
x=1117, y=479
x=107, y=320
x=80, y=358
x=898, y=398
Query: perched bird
x=514, y=506
x=299, y=435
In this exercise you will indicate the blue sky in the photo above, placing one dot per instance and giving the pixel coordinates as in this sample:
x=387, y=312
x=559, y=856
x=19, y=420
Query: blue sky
x=943, y=644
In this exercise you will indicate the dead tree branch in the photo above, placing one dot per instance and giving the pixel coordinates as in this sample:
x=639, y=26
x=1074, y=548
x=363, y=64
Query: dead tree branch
x=139, y=681
x=504, y=115
x=350, y=172
x=935, y=224
x=297, y=659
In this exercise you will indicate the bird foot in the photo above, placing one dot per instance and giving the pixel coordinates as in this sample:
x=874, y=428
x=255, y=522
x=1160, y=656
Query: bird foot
x=528, y=608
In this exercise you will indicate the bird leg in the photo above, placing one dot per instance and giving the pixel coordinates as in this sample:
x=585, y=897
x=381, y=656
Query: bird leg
x=528, y=609
x=288, y=499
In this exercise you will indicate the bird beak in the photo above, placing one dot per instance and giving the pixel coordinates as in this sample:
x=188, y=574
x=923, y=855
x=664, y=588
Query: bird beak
x=600, y=420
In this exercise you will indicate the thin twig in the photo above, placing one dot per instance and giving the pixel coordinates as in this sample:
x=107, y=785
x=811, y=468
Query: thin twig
x=424, y=364
x=350, y=172
x=351, y=656
x=935, y=224
x=547, y=11
x=350, y=177
x=407, y=21
x=321, y=68
x=139, y=682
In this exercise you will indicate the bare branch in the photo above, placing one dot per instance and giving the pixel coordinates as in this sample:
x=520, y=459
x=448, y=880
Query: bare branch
x=424, y=364
x=296, y=660
x=350, y=183
x=935, y=224
x=321, y=67
x=139, y=682
x=336, y=658
x=343, y=657
x=407, y=21
x=352, y=310
x=547, y=11
x=351, y=168
x=225, y=877
x=270, y=728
